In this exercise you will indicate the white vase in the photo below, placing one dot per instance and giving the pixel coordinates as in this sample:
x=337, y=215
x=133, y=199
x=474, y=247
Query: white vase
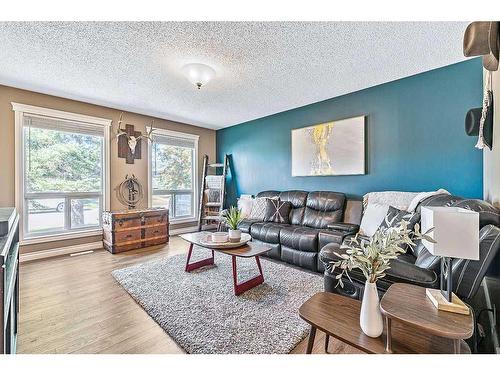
x=234, y=235
x=370, y=318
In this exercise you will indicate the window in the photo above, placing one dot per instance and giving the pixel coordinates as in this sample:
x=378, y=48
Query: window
x=172, y=165
x=61, y=170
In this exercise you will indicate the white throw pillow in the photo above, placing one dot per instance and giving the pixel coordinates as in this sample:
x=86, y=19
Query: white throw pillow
x=245, y=205
x=259, y=207
x=372, y=218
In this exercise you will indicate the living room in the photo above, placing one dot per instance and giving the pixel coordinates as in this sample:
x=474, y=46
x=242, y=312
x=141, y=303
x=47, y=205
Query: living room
x=191, y=184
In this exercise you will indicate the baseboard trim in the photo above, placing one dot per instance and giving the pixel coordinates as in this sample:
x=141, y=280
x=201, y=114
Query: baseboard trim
x=59, y=251
x=175, y=232
x=83, y=247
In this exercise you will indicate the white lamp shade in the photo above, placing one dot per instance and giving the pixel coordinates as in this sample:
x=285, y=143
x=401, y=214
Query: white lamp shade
x=456, y=232
x=198, y=74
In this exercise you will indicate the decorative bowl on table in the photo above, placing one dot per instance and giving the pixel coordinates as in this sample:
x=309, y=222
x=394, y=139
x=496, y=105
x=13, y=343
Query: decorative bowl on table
x=219, y=237
x=209, y=243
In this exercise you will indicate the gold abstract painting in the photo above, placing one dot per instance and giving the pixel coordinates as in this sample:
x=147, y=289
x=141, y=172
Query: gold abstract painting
x=330, y=148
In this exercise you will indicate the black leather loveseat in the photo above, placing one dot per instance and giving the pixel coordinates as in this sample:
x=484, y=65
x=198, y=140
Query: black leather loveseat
x=316, y=218
x=420, y=267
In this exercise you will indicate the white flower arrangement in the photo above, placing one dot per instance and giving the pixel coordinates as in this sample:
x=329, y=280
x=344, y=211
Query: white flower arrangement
x=373, y=257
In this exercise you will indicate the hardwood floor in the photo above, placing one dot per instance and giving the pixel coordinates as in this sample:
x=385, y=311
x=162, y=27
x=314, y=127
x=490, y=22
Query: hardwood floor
x=74, y=305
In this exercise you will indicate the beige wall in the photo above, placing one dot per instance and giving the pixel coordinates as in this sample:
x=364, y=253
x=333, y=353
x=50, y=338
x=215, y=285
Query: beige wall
x=491, y=163
x=118, y=166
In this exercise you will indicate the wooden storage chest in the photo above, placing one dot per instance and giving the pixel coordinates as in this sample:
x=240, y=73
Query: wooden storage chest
x=134, y=229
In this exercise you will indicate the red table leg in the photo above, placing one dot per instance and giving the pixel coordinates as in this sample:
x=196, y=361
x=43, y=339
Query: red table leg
x=249, y=284
x=198, y=264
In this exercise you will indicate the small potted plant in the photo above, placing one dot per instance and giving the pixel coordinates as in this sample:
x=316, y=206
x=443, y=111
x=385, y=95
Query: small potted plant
x=233, y=217
x=373, y=258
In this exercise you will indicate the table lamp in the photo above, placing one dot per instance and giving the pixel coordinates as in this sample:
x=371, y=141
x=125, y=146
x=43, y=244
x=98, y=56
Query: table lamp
x=456, y=232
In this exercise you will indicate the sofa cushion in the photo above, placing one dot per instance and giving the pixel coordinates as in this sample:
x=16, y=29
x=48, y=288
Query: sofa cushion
x=323, y=208
x=267, y=232
x=407, y=257
x=298, y=200
x=278, y=211
x=299, y=258
x=275, y=251
x=268, y=194
x=299, y=238
x=245, y=224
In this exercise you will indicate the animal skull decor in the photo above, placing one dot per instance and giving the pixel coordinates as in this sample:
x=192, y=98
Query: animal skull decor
x=132, y=139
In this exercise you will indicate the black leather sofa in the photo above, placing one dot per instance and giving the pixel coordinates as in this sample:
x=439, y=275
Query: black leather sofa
x=420, y=267
x=316, y=219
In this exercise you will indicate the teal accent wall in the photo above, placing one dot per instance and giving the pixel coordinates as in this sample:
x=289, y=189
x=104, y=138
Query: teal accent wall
x=415, y=138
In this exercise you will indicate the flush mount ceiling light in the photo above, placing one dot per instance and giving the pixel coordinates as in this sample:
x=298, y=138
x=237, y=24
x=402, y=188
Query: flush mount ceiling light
x=198, y=74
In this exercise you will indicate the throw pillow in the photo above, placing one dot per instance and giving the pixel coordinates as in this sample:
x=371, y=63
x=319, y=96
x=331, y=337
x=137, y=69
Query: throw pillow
x=372, y=218
x=278, y=211
x=245, y=206
x=258, y=209
x=394, y=216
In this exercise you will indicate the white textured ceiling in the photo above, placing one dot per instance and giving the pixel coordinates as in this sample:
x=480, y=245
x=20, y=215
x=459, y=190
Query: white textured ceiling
x=262, y=68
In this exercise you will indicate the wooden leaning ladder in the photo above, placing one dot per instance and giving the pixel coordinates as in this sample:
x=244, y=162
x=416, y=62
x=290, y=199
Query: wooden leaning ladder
x=212, y=194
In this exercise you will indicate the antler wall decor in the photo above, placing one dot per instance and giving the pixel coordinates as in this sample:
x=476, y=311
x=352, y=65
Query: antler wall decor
x=129, y=140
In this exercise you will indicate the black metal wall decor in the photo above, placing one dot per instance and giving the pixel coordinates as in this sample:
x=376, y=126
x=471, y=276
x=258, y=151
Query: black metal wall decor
x=129, y=192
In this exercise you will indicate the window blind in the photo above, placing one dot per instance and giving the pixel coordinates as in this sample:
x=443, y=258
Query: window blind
x=52, y=123
x=174, y=141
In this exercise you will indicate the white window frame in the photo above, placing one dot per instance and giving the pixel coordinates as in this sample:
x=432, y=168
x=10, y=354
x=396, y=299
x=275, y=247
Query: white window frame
x=188, y=136
x=20, y=111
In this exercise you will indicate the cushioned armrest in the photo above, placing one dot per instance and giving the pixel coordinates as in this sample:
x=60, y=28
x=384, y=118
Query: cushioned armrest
x=403, y=272
x=329, y=236
x=327, y=253
x=400, y=271
x=346, y=228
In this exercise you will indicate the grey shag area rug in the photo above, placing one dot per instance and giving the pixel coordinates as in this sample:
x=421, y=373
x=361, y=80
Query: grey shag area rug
x=201, y=313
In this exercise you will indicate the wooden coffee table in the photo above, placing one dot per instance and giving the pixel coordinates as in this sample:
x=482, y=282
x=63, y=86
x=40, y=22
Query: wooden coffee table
x=247, y=251
x=338, y=316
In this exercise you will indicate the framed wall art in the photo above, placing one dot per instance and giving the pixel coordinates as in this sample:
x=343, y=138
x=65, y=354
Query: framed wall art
x=330, y=149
